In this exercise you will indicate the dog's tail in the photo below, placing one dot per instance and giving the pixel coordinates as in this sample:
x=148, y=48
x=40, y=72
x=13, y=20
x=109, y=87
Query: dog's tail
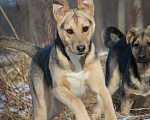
x=106, y=36
x=19, y=45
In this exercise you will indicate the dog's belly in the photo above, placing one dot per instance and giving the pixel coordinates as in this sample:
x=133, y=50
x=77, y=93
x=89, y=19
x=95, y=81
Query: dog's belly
x=77, y=81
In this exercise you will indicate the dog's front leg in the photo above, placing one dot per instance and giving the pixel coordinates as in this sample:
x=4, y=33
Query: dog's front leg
x=105, y=102
x=72, y=102
x=96, y=82
x=99, y=109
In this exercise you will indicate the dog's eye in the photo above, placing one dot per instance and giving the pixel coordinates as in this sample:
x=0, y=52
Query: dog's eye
x=85, y=29
x=136, y=45
x=69, y=31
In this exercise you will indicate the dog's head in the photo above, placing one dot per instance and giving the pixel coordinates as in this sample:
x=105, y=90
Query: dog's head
x=140, y=44
x=75, y=27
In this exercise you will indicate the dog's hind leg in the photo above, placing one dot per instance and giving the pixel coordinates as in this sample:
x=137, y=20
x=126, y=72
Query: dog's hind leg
x=46, y=107
x=113, y=77
x=56, y=107
x=40, y=93
x=44, y=103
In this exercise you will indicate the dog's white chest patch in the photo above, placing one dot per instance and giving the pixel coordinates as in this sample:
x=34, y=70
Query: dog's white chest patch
x=77, y=81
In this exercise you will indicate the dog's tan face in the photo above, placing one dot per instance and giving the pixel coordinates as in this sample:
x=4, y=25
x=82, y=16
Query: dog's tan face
x=75, y=27
x=140, y=44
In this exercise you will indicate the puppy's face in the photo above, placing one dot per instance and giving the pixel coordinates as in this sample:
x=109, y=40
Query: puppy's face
x=140, y=45
x=77, y=27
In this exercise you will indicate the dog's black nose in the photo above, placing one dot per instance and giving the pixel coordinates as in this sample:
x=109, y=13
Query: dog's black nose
x=80, y=48
x=142, y=56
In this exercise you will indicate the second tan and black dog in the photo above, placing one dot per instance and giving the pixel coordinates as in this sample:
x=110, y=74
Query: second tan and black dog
x=62, y=73
x=129, y=60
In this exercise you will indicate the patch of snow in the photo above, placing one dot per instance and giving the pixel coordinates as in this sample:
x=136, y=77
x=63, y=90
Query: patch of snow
x=134, y=117
x=3, y=97
x=24, y=112
x=29, y=96
x=103, y=53
x=27, y=88
x=22, y=88
x=13, y=109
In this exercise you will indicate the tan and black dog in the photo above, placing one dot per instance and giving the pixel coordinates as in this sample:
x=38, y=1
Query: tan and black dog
x=129, y=60
x=62, y=73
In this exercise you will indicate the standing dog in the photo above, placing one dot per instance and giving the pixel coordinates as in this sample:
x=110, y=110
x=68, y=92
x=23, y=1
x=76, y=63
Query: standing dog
x=62, y=73
x=129, y=60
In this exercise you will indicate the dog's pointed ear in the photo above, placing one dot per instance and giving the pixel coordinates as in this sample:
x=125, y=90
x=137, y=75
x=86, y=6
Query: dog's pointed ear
x=131, y=34
x=60, y=7
x=87, y=6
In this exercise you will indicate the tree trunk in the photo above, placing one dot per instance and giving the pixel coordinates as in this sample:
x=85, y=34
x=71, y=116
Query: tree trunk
x=35, y=21
x=50, y=23
x=139, y=22
x=99, y=24
x=122, y=15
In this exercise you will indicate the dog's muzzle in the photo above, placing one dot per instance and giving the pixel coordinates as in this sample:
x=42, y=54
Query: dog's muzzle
x=80, y=49
x=142, y=58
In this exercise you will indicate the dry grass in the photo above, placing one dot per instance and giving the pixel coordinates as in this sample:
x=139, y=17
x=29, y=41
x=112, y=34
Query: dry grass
x=13, y=81
x=14, y=100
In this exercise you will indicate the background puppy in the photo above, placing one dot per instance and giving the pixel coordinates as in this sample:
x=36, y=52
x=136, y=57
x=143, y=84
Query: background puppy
x=129, y=60
x=63, y=72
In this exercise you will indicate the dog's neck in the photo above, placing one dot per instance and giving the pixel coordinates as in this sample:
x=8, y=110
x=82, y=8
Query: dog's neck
x=78, y=62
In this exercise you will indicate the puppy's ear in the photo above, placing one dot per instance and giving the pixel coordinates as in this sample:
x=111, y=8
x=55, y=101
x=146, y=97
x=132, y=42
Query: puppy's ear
x=131, y=34
x=60, y=7
x=148, y=27
x=87, y=6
